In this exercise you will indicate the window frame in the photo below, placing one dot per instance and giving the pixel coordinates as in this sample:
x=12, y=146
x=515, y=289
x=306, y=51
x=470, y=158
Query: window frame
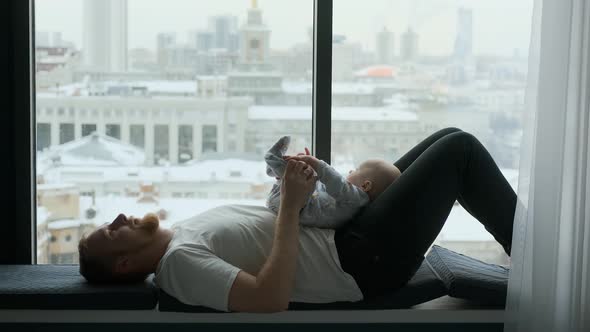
x=20, y=240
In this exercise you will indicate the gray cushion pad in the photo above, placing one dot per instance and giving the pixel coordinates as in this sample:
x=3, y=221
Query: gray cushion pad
x=62, y=287
x=424, y=286
x=468, y=278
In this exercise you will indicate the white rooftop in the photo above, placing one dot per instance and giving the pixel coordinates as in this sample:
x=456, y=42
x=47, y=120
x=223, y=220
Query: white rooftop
x=92, y=150
x=352, y=113
x=220, y=171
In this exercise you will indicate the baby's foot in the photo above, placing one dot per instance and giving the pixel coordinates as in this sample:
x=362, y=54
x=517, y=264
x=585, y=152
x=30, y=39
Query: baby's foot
x=275, y=164
x=281, y=146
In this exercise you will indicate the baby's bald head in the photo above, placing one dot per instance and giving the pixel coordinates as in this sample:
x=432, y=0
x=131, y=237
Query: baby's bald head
x=374, y=176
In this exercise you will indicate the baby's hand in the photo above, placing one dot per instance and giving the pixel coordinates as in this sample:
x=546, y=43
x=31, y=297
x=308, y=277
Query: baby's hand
x=306, y=158
x=299, y=154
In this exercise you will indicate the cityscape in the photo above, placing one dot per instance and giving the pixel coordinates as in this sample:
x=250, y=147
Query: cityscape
x=183, y=127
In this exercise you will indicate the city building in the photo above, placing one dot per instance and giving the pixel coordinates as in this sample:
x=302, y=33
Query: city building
x=254, y=75
x=58, y=216
x=225, y=32
x=164, y=41
x=105, y=35
x=55, y=66
x=463, y=47
x=154, y=125
x=385, y=46
x=409, y=45
x=347, y=57
x=203, y=40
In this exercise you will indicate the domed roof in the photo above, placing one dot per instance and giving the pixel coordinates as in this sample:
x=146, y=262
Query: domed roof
x=95, y=149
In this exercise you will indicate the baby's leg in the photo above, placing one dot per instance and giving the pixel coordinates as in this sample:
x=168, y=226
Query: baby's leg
x=321, y=210
x=275, y=164
x=273, y=201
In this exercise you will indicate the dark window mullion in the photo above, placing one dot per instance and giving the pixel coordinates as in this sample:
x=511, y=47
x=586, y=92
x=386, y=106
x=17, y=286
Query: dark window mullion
x=322, y=80
x=18, y=241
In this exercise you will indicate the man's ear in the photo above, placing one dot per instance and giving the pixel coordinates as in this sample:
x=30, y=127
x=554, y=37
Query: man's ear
x=122, y=264
x=367, y=185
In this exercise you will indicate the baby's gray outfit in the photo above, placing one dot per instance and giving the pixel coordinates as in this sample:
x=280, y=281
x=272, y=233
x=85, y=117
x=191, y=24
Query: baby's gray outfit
x=334, y=200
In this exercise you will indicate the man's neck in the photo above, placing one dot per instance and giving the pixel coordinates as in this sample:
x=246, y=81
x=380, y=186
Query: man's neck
x=160, y=245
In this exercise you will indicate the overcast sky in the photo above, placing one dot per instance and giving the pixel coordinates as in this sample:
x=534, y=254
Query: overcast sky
x=499, y=26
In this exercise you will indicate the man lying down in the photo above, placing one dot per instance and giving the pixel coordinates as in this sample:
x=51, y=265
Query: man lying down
x=247, y=258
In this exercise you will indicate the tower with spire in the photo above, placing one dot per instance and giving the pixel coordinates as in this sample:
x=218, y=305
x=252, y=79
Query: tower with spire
x=254, y=75
x=255, y=37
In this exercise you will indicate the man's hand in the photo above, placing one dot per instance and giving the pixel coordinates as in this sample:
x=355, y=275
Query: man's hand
x=298, y=183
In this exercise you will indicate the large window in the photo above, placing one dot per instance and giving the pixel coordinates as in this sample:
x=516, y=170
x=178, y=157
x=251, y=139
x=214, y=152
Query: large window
x=66, y=132
x=185, y=143
x=169, y=108
x=88, y=128
x=161, y=144
x=43, y=136
x=113, y=130
x=209, y=138
x=137, y=135
x=185, y=97
x=403, y=70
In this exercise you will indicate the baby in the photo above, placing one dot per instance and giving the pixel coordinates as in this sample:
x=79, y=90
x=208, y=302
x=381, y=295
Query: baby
x=335, y=199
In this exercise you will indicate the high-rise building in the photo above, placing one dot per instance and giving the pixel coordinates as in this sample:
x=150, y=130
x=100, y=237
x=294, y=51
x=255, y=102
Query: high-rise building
x=409, y=45
x=225, y=32
x=164, y=41
x=385, y=46
x=346, y=56
x=105, y=35
x=204, y=40
x=464, y=39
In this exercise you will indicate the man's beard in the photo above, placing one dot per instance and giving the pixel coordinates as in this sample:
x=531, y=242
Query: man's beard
x=150, y=223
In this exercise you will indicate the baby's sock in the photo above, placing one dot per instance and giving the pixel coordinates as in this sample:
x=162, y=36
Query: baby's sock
x=275, y=164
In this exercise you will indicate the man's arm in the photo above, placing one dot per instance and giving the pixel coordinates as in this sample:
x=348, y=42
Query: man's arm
x=271, y=289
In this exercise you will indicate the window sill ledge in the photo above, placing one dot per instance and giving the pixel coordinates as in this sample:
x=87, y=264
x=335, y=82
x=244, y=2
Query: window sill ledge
x=442, y=310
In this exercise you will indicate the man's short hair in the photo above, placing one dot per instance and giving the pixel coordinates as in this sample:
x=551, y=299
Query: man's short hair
x=101, y=269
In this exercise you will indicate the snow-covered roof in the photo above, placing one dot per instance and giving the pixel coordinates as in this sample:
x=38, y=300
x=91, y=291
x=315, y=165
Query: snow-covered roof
x=338, y=113
x=153, y=87
x=223, y=170
x=92, y=150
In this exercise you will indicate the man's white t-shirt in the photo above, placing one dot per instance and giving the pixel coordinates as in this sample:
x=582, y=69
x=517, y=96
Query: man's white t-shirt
x=208, y=250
